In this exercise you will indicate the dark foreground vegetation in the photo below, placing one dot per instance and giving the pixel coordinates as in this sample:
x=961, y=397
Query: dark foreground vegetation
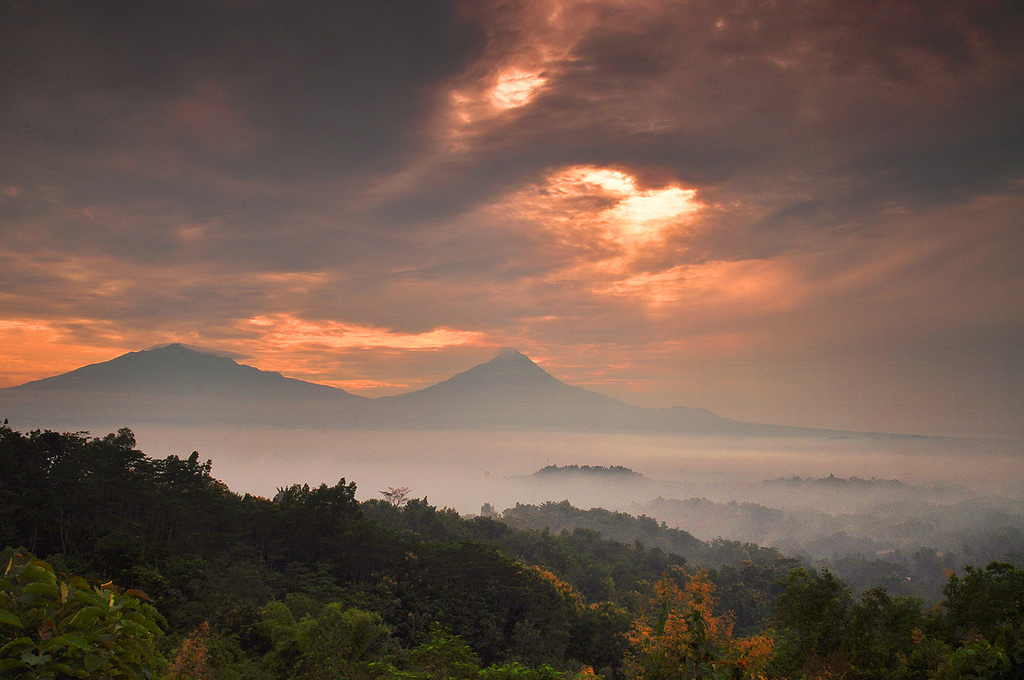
x=153, y=568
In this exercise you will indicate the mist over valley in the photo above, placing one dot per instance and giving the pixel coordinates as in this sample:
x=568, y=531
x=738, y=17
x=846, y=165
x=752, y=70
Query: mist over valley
x=422, y=499
x=507, y=433
x=490, y=340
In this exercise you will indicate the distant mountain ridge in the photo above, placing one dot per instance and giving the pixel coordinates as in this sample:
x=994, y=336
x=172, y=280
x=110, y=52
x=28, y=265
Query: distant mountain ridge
x=175, y=384
x=176, y=369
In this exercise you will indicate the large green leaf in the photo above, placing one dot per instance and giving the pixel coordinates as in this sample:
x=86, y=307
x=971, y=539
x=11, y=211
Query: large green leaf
x=86, y=616
x=94, y=661
x=43, y=589
x=79, y=583
x=145, y=621
x=70, y=640
x=33, y=659
x=39, y=571
x=19, y=643
x=9, y=618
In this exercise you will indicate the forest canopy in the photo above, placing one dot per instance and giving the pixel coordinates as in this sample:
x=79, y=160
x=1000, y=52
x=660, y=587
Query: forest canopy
x=199, y=581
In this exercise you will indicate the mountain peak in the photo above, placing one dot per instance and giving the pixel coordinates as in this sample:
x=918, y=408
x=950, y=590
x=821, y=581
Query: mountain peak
x=183, y=349
x=170, y=346
x=177, y=369
x=509, y=370
x=511, y=366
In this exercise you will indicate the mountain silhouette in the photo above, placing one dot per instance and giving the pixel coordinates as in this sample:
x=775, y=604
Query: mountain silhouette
x=179, y=370
x=511, y=390
x=172, y=384
x=508, y=376
x=178, y=385
x=509, y=370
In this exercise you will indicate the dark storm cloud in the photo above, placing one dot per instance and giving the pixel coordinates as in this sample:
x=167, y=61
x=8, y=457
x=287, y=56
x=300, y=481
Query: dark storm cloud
x=898, y=96
x=333, y=84
x=188, y=112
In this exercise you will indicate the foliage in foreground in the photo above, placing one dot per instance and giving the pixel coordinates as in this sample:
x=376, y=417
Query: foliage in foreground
x=52, y=625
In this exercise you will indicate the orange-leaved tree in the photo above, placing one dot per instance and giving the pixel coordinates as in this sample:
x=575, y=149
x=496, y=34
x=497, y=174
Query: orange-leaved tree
x=682, y=637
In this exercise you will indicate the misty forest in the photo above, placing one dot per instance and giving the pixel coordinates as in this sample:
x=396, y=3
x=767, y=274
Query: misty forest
x=119, y=564
x=500, y=524
x=512, y=340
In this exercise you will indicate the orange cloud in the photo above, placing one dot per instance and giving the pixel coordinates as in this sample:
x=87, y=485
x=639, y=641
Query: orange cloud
x=31, y=349
x=288, y=331
x=604, y=223
x=524, y=52
x=34, y=349
x=529, y=47
x=600, y=205
x=319, y=350
x=515, y=88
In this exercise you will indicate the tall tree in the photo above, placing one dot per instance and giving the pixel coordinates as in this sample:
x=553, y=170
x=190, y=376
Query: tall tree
x=681, y=637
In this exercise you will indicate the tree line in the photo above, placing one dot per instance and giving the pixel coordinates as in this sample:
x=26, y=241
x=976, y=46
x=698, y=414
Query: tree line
x=121, y=565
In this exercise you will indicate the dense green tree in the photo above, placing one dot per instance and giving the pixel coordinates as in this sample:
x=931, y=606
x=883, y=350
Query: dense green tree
x=443, y=657
x=340, y=643
x=880, y=635
x=986, y=612
x=978, y=660
x=750, y=591
x=813, y=613
x=311, y=519
x=987, y=601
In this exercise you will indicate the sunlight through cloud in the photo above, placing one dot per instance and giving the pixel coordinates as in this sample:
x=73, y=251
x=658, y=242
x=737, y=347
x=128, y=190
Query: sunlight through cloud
x=518, y=64
x=634, y=215
x=658, y=205
x=515, y=88
x=606, y=224
x=285, y=330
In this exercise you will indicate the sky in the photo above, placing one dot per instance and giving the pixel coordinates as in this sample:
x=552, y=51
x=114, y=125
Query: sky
x=806, y=212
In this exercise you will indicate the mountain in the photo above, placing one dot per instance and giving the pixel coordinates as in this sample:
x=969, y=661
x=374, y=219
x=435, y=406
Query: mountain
x=510, y=379
x=181, y=371
x=511, y=391
x=172, y=384
x=178, y=385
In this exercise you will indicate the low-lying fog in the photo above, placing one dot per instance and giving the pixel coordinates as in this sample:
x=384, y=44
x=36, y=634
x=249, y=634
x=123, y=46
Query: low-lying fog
x=464, y=469
x=735, y=488
x=835, y=502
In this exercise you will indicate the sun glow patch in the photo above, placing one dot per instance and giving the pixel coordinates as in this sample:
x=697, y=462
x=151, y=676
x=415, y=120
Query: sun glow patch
x=633, y=215
x=606, y=226
x=515, y=88
x=659, y=204
x=612, y=180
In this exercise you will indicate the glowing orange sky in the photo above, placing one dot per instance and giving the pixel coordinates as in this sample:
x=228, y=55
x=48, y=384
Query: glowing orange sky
x=803, y=217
